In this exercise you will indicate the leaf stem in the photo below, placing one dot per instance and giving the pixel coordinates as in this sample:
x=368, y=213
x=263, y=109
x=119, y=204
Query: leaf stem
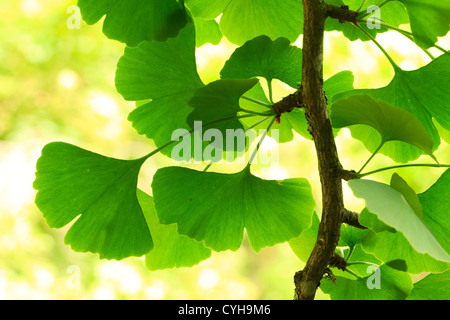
x=251, y=127
x=363, y=14
x=410, y=36
x=268, y=113
x=371, y=157
x=208, y=165
x=260, y=142
x=352, y=273
x=394, y=65
x=362, y=5
x=192, y=131
x=257, y=102
x=350, y=252
x=361, y=262
x=361, y=175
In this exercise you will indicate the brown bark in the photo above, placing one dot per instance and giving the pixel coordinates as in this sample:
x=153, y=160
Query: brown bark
x=330, y=168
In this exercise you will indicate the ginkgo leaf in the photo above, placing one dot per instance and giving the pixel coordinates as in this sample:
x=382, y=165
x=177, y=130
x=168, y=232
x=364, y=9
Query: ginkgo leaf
x=220, y=100
x=392, y=13
x=429, y=20
x=243, y=20
x=166, y=73
x=388, y=246
x=262, y=57
x=432, y=287
x=384, y=284
x=207, y=31
x=435, y=207
x=408, y=193
x=215, y=208
x=170, y=250
x=134, y=21
x=392, y=123
x=303, y=245
x=392, y=209
x=423, y=92
x=207, y=9
x=74, y=182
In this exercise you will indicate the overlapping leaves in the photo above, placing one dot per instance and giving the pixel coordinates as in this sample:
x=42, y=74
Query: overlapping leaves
x=243, y=20
x=215, y=208
x=392, y=123
x=112, y=217
x=391, y=208
x=134, y=21
x=423, y=93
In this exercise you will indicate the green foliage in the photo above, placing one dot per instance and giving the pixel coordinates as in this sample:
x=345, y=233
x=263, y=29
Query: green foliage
x=392, y=123
x=429, y=20
x=193, y=213
x=72, y=181
x=134, y=21
x=391, y=208
x=170, y=250
x=246, y=201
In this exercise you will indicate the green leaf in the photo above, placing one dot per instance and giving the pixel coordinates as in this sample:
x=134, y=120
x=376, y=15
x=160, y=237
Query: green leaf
x=436, y=207
x=262, y=57
x=393, y=285
x=408, y=193
x=215, y=207
x=391, y=208
x=423, y=92
x=392, y=13
x=207, y=9
x=207, y=31
x=432, y=287
x=388, y=246
x=430, y=19
x=134, y=21
x=72, y=181
x=171, y=250
x=243, y=20
x=220, y=100
x=391, y=122
x=351, y=236
x=371, y=221
x=303, y=245
x=166, y=73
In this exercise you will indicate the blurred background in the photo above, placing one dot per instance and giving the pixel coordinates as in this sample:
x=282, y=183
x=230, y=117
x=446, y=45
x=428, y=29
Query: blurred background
x=57, y=84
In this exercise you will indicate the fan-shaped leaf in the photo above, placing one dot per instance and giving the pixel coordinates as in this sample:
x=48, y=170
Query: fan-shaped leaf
x=391, y=208
x=423, y=92
x=165, y=72
x=72, y=182
x=391, y=122
x=134, y=21
x=215, y=207
x=171, y=250
x=385, y=284
x=429, y=20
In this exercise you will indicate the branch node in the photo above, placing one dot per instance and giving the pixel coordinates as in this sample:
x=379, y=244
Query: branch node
x=352, y=219
x=349, y=175
x=342, y=13
x=338, y=262
x=288, y=103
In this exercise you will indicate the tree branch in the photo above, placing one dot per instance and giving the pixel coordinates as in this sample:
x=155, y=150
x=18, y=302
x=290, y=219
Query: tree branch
x=330, y=168
x=342, y=13
x=352, y=219
x=287, y=104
